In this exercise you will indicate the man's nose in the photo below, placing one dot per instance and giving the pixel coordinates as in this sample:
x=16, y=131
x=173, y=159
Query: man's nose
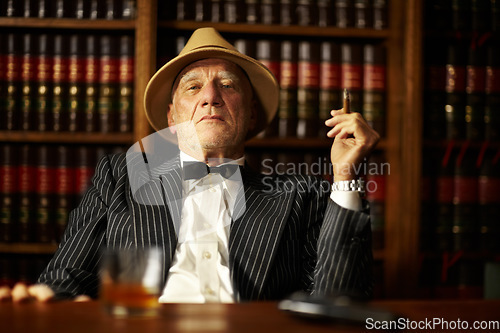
x=211, y=95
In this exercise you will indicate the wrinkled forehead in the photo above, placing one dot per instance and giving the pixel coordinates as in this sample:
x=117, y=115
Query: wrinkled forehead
x=227, y=69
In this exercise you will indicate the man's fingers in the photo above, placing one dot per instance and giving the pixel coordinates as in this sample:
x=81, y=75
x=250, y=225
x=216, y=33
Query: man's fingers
x=41, y=292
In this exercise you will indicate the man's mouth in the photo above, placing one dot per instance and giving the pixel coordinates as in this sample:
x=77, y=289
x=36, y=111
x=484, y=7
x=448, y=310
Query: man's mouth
x=213, y=117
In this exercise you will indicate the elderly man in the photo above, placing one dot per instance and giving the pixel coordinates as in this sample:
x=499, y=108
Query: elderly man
x=300, y=234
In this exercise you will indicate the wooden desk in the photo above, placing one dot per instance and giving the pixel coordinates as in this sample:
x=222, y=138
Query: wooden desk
x=70, y=317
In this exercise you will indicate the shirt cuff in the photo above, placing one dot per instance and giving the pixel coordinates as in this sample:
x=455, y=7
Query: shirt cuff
x=347, y=199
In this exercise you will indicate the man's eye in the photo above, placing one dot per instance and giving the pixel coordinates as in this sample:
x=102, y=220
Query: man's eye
x=193, y=87
x=227, y=86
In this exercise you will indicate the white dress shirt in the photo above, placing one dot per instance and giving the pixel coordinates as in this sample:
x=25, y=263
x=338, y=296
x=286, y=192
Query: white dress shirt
x=200, y=268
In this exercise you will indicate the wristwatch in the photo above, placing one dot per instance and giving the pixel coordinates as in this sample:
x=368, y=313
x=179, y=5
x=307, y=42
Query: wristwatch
x=357, y=185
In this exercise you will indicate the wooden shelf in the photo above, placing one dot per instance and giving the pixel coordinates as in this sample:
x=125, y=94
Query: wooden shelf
x=64, y=23
x=28, y=248
x=67, y=137
x=278, y=29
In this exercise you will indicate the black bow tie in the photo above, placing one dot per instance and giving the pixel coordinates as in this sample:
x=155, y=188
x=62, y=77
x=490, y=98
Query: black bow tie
x=198, y=170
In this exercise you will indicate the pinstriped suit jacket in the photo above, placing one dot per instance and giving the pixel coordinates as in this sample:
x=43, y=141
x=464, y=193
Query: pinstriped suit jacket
x=290, y=237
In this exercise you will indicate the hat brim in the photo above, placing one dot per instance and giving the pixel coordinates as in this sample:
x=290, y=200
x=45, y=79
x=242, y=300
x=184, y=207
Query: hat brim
x=158, y=91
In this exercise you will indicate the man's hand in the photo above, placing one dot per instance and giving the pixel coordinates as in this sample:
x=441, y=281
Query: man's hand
x=354, y=140
x=37, y=292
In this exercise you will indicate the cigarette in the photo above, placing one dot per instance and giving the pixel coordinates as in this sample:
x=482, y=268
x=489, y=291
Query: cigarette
x=347, y=101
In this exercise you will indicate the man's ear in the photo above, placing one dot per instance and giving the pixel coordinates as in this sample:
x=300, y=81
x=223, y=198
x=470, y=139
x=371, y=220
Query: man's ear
x=170, y=119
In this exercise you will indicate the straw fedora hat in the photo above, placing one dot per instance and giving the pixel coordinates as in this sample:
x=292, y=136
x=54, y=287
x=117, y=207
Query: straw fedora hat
x=208, y=43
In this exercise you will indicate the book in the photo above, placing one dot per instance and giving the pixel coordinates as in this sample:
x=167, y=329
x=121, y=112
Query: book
x=217, y=11
x=233, y=11
x=97, y=9
x=455, y=90
x=63, y=9
x=44, y=83
x=27, y=191
x=435, y=89
x=444, y=190
x=268, y=53
x=76, y=83
x=126, y=84
x=374, y=87
x=460, y=16
x=287, y=111
x=363, y=14
x=308, y=80
x=475, y=91
x=480, y=15
x=288, y=14
x=85, y=161
x=326, y=17
x=44, y=205
x=492, y=93
x=380, y=14
x=60, y=86
x=344, y=13
x=465, y=200
x=252, y=14
x=351, y=68
x=43, y=8
x=91, y=70
x=28, y=86
x=8, y=192
x=307, y=12
x=12, y=85
x=269, y=12
x=488, y=199
x=64, y=189
x=330, y=91
x=108, y=84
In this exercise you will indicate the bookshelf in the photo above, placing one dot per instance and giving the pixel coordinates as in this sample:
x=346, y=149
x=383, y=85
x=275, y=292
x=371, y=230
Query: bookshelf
x=398, y=260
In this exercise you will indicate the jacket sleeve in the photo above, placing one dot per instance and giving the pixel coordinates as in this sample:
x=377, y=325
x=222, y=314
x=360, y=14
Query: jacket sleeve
x=73, y=270
x=344, y=253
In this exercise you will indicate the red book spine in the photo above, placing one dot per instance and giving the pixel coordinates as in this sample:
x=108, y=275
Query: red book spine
x=455, y=92
x=28, y=77
x=352, y=73
x=287, y=113
x=76, y=83
x=8, y=191
x=27, y=191
x=374, y=87
x=44, y=82
x=444, y=199
x=108, y=84
x=91, y=70
x=60, y=73
x=13, y=59
x=329, y=84
x=84, y=169
x=489, y=201
x=308, y=77
x=475, y=92
x=492, y=90
x=126, y=84
x=465, y=200
x=45, y=184
x=268, y=53
x=64, y=189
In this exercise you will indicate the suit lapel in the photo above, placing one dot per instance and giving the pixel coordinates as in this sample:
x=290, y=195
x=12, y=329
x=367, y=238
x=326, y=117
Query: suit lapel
x=255, y=236
x=157, y=206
